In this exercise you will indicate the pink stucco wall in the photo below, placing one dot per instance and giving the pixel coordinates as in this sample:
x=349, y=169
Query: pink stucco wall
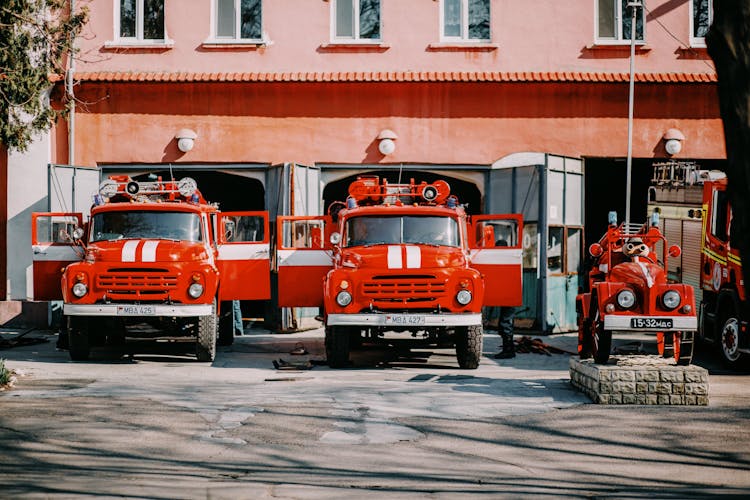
x=528, y=35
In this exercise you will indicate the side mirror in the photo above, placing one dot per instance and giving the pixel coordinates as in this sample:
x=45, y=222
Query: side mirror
x=78, y=233
x=228, y=230
x=335, y=238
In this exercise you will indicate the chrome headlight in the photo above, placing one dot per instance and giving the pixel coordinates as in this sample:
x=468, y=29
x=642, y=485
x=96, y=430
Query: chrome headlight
x=195, y=290
x=671, y=299
x=463, y=297
x=79, y=290
x=344, y=298
x=626, y=299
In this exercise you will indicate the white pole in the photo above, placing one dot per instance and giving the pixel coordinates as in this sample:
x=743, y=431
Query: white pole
x=633, y=4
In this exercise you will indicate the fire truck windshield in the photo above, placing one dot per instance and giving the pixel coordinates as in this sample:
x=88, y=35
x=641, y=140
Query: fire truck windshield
x=180, y=226
x=426, y=230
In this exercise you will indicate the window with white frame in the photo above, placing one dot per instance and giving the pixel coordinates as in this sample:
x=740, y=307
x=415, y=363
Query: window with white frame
x=356, y=20
x=614, y=19
x=238, y=19
x=701, y=17
x=140, y=20
x=465, y=20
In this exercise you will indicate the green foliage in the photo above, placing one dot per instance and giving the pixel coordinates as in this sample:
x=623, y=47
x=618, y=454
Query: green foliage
x=4, y=373
x=35, y=40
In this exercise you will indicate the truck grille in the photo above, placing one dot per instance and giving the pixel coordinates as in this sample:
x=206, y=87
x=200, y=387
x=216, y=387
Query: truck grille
x=404, y=288
x=136, y=283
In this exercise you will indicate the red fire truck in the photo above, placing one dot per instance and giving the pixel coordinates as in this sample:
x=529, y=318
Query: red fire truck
x=721, y=319
x=400, y=264
x=694, y=206
x=628, y=291
x=154, y=262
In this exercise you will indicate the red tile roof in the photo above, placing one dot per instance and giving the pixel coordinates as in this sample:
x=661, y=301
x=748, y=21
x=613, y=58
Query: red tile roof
x=398, y=76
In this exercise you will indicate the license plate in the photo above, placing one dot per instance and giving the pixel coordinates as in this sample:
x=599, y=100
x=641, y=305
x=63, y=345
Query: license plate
x=136, y=310
x=405, y=320
x=651, y=323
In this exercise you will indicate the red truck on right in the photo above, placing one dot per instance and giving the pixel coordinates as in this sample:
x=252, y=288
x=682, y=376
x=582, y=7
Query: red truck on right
x=694, y=207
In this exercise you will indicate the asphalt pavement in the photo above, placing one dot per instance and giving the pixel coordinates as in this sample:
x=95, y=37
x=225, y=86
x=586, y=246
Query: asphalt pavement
x=394, y=425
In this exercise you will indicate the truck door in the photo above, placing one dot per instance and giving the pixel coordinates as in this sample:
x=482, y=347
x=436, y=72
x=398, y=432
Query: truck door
x=495, y=251
x=244, y=256
x=303, y=258
x=53, y=249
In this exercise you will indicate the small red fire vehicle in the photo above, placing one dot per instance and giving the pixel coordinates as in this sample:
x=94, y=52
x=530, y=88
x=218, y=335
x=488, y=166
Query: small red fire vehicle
x=154, y=262
x=400, y=263
x=629, y=292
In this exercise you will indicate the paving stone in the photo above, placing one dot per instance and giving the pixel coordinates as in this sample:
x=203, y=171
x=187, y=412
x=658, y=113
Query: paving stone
x=671, y=376
x=641, y=387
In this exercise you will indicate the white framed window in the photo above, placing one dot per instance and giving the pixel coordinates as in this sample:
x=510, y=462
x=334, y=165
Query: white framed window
x=465, y=20
x=140, y=21
x=355, y=21
x=701, y=17
x=237, y=20
x=613, y=20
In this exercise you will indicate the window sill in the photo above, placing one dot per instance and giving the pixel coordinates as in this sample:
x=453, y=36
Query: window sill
x=214, y=44
x=619, y=46
x=462, y=47
x=140, y=45
x=353, y=47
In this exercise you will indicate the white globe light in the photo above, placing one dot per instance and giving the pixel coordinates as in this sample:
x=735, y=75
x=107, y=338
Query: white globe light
x=673, y=146
x=185, y=144
x=386, y=146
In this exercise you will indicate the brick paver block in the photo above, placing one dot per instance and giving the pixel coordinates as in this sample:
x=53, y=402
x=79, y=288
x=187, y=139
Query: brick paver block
x=640, y=380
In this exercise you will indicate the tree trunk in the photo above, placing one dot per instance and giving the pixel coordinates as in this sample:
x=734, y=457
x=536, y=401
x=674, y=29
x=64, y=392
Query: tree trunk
x=728, y=42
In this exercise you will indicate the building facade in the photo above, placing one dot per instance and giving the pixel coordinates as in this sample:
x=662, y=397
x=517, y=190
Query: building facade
x=286, y=102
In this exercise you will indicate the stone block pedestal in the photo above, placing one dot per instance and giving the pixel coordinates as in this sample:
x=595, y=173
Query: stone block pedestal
x=640, y=380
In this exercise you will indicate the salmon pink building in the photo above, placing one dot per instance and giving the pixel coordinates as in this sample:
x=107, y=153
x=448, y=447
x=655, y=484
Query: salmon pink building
x=277, y=106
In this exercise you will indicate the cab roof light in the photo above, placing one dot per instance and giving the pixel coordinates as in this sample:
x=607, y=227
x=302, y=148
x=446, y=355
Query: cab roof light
x=154, y=189
x=371, y=190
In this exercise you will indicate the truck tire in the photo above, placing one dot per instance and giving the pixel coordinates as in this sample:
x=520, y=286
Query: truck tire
x=729, y=340
x=337, y=346
x=603, y=346
x=205, y=343
x=469, y=346
x=79, y=345
x=226, y=324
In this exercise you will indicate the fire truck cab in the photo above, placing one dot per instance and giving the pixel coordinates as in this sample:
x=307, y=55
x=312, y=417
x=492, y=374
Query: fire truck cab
x=400, y=264
x=628, y=291
x=155, y=261
x=723, y=287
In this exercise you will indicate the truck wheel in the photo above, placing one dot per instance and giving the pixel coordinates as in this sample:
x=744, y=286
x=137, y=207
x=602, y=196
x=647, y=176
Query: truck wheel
x=226, y=324
x=729, y=342
x=337, y=346
x=63, y=335
x=205, y=345
x=79, y=346
x=585, y=340
x=469, y=346
x=601, y=341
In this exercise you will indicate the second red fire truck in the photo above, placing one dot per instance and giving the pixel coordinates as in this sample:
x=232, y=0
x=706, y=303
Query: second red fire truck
x=400, y=263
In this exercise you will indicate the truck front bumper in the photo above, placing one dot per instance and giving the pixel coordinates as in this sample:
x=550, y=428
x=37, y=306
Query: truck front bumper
x=652, y=323
x=404, y=320
x=138, y=310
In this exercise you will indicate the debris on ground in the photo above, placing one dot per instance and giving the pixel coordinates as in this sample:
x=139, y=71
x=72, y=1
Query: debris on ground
x=293, y=365
x=7, y=377
x=528, y=345
x=299, y=349
x=21, y=340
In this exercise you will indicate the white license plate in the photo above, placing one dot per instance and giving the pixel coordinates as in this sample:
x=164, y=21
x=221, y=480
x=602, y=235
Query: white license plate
x=404, y=319
x=137, y=310
x=655, y=323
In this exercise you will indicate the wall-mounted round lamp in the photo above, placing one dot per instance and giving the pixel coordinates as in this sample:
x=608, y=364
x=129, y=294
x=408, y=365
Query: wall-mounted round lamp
x=387, y=138
x=185, y=139
x=673, y=141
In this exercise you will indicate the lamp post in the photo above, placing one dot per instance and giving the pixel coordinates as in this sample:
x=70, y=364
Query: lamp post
x=634, y=5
